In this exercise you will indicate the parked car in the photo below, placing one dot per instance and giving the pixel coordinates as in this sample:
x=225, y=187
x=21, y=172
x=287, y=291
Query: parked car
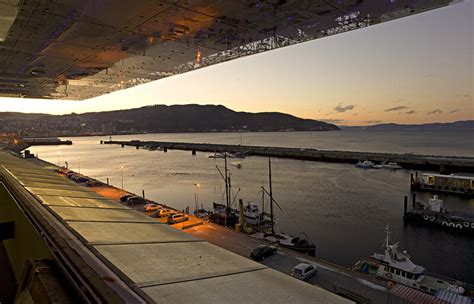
x=177, y=218
x=93, y=183
x=81, y=180
x=304, y=271
x=152, y=207
x=164, y=212
x=262, y=251
x=125, y=197
x=135, y=200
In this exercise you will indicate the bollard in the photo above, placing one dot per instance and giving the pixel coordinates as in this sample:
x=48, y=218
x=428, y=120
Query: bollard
x=101, y=142
x=143, y=193
x=123, y=145
x=193, y=152
x=411, y=178
x=165, y=149
x=138, y=147
x=405, y=206
x=107, y=181
x=414, y=200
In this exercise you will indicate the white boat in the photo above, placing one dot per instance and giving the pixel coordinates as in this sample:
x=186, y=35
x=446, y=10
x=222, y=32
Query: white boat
x=217, y=155
x=390, y=165
x=253, y=215
x=366, y=164
x=395, y=265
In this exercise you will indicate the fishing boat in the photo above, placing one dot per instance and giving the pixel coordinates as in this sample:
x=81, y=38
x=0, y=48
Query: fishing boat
x=396, y=266
x=254, y=216
x=300, y=244
x=224, y=214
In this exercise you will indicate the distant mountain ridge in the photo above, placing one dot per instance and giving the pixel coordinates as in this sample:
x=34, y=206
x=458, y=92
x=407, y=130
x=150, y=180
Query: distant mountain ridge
x=158, y=118
x=437, y=126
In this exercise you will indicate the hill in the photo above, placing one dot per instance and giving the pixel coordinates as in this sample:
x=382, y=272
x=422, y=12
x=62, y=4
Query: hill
x=453, y=126
x=157, y=118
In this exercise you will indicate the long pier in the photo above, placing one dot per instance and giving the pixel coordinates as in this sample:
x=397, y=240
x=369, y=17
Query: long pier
x=444, y=164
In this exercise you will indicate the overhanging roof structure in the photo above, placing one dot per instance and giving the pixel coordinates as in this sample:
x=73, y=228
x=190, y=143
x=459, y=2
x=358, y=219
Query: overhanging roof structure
x=78, y=49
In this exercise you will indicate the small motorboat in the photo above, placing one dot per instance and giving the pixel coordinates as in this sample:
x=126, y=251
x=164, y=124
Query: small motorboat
x=390, y=165
x=366, y=164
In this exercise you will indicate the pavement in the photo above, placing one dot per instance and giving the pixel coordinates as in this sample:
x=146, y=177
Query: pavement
x=353, y=285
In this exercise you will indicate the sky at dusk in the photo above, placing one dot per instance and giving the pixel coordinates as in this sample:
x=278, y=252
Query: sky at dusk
x=416, y=69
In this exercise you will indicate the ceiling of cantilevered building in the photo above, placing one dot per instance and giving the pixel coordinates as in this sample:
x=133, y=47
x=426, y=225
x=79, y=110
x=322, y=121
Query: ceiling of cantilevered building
x=78, y=49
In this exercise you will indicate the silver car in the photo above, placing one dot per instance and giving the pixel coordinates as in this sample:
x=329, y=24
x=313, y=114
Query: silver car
x=304, y=271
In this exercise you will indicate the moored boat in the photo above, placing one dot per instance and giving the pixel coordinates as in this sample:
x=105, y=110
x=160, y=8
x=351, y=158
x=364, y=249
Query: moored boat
x=366, y=164
x=396, y=266
x=389, y=165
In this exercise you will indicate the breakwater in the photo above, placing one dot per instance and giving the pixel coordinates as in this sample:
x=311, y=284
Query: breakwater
x=445, y=164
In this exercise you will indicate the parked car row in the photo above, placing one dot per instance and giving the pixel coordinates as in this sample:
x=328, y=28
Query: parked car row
x=82, y=180
x=173, y=216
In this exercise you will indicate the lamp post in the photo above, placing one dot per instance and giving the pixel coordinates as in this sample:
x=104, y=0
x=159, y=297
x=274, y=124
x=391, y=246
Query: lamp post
x=121, y=168
x=197, y=186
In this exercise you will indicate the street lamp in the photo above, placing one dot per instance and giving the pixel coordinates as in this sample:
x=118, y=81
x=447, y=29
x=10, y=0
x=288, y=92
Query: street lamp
x=121, y=168
x=197, y=186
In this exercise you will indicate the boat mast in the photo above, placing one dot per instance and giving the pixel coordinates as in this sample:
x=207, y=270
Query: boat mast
x=226, y=189
x=387, y=236
x=271, y=193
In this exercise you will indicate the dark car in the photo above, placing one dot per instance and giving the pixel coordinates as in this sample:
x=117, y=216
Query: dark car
x=93, y=183
x=125, y=197
x=262, y=251
x=135, y=200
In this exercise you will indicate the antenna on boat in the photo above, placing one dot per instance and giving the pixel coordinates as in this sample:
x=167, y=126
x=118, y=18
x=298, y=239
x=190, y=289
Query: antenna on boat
x=387, y=236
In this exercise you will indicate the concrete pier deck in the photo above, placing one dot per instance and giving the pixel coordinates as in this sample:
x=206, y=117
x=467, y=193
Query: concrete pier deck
x=407, y=161
x=116, y=254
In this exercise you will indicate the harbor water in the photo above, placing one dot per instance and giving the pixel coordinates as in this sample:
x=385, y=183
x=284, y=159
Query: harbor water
x=344, y=210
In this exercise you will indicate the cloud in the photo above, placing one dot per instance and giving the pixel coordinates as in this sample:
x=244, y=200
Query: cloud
x=397, y=100
x=435, y=111
x=454, y=111
x=399, y=108
x=333, y=121
x=410, y=112
x=341, y=109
